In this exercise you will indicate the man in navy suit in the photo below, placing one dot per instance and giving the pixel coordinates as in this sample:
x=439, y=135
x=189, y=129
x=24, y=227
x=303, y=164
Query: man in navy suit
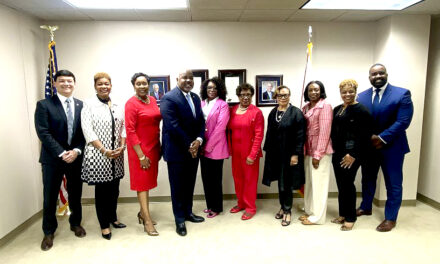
x=182, y=135
x=392, y=110
x=58, y=125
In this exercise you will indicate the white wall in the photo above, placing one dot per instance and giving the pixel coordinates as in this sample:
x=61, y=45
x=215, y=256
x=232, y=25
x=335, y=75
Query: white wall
x=402, y=44
x=342, y=50
x=21, y=81
x=429, y=180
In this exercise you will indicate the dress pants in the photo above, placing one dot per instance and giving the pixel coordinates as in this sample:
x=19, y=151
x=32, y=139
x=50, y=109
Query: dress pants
x=316, y=189
x=182, y=176
x=106, y=202
x=285, y=197
x=52, y=178
x=212, y=173
x=346, y=188
x=245, y=181
x=392, y=165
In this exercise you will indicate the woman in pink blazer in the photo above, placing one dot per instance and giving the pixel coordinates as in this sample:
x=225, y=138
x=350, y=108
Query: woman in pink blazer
x=215, y=150
x=318, y=153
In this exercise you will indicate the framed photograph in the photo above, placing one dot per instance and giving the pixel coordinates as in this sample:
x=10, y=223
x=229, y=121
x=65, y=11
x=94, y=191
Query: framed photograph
x=199, y=77
x=232, y=79
x=159, y=86
x=265, y=86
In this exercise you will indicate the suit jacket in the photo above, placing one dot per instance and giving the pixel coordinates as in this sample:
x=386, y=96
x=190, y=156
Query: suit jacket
x=266, y=95
x=51, y=127
x=180, y=128
x=216, y=146
x=392, y=117
x=159, y=93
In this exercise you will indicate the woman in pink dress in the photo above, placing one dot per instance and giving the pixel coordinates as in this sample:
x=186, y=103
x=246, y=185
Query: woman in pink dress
x=142, y=117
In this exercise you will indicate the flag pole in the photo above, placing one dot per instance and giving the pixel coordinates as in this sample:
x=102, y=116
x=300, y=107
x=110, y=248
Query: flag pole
x=308, y=58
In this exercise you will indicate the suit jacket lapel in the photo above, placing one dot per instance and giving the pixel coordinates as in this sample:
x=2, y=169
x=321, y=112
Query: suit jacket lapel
x=60, y=110
x=386, y=95
x=77, y=115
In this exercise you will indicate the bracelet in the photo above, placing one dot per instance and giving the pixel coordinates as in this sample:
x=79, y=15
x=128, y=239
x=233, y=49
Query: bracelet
x=100, y=148
x=105, y=152
x=142, y=158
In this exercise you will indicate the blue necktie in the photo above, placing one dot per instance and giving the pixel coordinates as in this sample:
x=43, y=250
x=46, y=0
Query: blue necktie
x=188, y=98
x=376, y=101
x=69, y=121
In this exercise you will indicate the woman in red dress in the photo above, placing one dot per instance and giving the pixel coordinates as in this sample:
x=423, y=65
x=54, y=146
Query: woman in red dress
x=245, y=134
x=142, y=118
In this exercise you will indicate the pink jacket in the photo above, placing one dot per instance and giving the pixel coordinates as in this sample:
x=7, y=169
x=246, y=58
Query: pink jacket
x=319, y=125
x=216, y=145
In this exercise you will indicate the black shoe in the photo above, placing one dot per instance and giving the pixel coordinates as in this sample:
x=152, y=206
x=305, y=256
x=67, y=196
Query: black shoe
x=181, y=229
x=78, y=230
x=194, y=218
x=107, y=236
x=47, y=242
x=120, y=225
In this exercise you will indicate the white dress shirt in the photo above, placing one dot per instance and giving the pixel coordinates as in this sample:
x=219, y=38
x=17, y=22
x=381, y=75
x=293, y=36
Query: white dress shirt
x=208, y=107
x=72, y=107
x=382, y=90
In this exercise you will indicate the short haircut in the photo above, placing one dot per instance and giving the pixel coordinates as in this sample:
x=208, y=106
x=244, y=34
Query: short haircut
x=378, y=64
x=219, y=84
x=64, y=73
x=137, y=75
x=244, y=87
x=278, y=89
x=100, y=75
x=321, y=90
x=348, y=83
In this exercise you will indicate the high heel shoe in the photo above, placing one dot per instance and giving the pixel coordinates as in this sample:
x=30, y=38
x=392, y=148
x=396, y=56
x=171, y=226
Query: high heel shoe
x=279, y=215
x=107, y=236
x=142, y=221
x=286, y=222
x=150, y=232
x=118, y=225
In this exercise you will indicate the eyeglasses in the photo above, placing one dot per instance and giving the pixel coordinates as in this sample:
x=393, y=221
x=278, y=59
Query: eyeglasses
x=283, y=96
x=245, y=95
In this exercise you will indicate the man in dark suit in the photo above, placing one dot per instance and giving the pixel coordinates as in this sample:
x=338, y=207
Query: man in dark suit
x=58, y=125
x=182, y=135
x=156, y=93
x=392, y=111
x=268, y=94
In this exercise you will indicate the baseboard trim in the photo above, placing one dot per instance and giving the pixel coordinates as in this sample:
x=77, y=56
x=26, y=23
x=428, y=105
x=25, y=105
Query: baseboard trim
x=19, y=229
x=428, y=201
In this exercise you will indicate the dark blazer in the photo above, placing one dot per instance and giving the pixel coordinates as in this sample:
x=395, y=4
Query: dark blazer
x=283, y=140
x=51, y=127
x=266, y=95
x=392, y=118
x=180, y=128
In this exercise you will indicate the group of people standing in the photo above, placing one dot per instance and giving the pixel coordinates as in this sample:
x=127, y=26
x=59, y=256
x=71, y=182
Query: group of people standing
x=86, y=142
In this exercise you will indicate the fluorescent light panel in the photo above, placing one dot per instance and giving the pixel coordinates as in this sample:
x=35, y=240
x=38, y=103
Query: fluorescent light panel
x=128, y=4
x=360, y=4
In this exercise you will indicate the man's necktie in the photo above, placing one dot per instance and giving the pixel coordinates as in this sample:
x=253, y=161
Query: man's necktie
x=376, y=101
x=69, y=122
x=188, y=98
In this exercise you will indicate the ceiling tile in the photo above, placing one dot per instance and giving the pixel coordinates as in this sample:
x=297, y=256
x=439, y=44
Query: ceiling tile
x=58, y=14
x=106, y=15
x=315, y=15
x=27, y=4
x=363, y=15
x=215, y=15
x=425, y=7
x=164, y=15
x=265, y=15
x=275, y=4
x=217, y=4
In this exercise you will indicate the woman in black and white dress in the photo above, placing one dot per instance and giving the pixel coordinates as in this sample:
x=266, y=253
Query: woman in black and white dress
x=103, y=165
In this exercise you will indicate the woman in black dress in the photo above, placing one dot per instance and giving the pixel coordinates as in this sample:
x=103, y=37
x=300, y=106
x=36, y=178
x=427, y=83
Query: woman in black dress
x=351, y=133
x=284, y=147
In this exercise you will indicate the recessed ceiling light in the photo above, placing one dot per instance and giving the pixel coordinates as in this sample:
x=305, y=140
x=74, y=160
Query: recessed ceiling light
x=128, y=4
x=360, y=4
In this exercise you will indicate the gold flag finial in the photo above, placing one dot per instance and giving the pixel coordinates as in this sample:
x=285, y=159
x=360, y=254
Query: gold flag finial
x=51, y=30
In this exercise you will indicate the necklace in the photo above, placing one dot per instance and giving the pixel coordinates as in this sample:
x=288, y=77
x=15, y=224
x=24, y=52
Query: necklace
x=142, y=100
x=242, y=108
x=280, y=113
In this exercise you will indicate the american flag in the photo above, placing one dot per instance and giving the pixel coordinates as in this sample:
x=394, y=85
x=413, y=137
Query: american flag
x=52, y=68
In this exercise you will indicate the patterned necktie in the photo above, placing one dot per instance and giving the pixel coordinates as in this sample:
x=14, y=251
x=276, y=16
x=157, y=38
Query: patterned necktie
x=376, y=101
x=69, y=122
x=190, y=102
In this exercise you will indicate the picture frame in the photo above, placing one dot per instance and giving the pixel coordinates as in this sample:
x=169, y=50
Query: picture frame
x=199, y=77
x=161, y=83
x=232, y=79
x=265, y=86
